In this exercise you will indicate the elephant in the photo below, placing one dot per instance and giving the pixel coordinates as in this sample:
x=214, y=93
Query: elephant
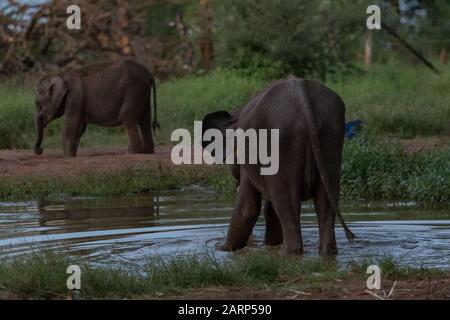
x=311, y=121
x=108, y=94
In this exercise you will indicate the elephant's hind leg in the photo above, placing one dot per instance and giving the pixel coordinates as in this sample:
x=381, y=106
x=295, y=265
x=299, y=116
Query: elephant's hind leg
x=288, y=210
x=274, y=232
x=246, y=212
x=148, y=144
x=326, y=218
x=285, y=197
x=134, y=137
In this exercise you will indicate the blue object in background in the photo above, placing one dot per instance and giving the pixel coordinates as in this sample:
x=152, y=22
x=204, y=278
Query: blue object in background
x=352, y=128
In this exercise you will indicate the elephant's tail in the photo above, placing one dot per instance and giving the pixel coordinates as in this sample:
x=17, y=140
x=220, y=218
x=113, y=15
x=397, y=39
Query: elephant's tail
x=313, y=134
x=155, y=123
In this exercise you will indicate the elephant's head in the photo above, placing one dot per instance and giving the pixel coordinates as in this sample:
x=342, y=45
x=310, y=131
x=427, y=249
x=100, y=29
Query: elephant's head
x=51, y=92
x=222, y=120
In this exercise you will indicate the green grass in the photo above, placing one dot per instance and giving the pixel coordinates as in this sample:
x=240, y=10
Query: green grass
x=393, y=99
x=370, y=171
x=123, y=182
x=43, y=274
x=399, y=100
x=16, y=116
x=391, y=268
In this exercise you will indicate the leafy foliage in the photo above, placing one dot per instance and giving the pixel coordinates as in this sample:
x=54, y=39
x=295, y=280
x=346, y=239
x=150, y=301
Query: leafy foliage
x=273, y=38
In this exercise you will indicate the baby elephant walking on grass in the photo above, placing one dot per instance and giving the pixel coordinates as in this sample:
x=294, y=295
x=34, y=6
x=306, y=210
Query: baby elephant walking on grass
x=109, y=95
x=310, y=119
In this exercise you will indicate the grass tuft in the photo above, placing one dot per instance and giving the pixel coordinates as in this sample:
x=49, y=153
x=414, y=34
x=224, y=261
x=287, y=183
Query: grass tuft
x=43, y=275
x=371, y=170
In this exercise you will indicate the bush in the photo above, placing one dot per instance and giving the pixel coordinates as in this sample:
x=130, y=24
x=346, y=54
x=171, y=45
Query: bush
x=374, y=171
x=280, y=37
x=16, y=117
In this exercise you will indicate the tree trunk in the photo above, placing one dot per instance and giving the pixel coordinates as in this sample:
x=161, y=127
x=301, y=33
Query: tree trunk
x=188, y=47
x=368, y=50
x=444, y=56
x=206, y=45
x=416, y=53
x=120, y=33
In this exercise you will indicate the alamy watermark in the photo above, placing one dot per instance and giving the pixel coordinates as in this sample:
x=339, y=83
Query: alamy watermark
x=73, y=22
x=74, y=280
x=374, y=281
x=235, y=147
x=374, y=20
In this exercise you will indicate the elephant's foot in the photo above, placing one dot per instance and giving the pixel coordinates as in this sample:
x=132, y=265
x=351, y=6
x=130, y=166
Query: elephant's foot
x=131, y=151
x=70, y=154
x=148, y=151
x=291, y=250
x=273, y=241
x=224, y=247
x=38, y=151
x=232, y=246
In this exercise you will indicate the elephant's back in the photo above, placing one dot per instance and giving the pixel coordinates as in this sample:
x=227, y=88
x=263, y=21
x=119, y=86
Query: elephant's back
x=108, y=88
x=282, y=107
x=118, y=72
x=276, y=107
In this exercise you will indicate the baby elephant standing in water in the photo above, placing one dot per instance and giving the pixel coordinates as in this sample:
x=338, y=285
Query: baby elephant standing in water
x=310, y=119
x=109, y=95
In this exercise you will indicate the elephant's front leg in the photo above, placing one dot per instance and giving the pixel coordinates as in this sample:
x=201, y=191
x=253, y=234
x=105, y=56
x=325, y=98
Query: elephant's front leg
x=246, y=212
x=72, y=132
x=274, y=232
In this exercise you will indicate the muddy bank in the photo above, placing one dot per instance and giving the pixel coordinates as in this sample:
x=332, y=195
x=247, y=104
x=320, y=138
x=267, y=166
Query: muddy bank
x=353, y=288
x=369, y=171
x=19, y=163
x=24, y=163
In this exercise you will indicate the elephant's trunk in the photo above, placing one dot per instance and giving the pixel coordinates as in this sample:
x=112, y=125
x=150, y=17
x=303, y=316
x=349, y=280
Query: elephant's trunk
x=39, y=133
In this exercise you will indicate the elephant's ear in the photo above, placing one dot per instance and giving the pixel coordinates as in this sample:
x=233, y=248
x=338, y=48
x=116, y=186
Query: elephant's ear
x=57, y=90
x=220, y=120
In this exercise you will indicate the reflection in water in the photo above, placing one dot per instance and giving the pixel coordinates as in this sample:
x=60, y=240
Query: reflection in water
x=131, y=229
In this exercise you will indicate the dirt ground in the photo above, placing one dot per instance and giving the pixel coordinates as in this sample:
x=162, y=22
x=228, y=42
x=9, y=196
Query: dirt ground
x=19, y=163
x=337, y=289
x=422, y=144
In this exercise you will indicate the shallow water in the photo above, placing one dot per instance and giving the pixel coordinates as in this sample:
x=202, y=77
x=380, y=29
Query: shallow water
x=131, y=229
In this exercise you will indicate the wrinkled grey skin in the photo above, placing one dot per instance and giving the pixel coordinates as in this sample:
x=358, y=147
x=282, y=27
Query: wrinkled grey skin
x=311, y=120
x=108, y=94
